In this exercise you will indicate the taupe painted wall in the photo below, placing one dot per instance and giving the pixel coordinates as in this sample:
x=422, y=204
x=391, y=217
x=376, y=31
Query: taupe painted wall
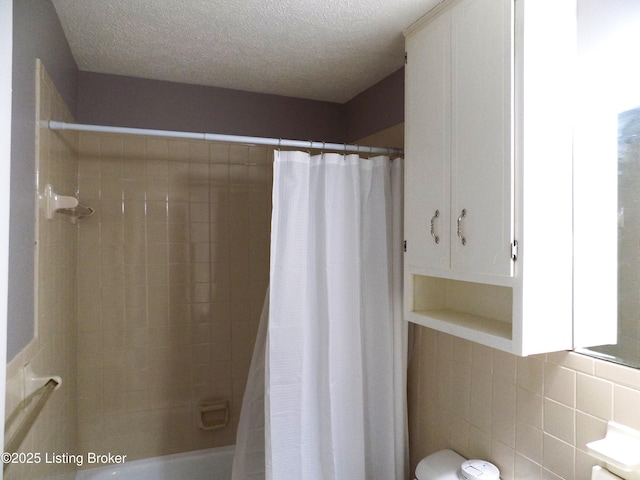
x=379, y=107
x=135, y=102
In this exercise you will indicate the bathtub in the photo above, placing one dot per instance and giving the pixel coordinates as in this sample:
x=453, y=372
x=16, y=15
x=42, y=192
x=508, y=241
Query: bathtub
x=209, y=464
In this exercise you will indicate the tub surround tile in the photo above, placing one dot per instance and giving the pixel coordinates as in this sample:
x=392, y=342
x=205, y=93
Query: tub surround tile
x=184, y=319
x=54, y=348
x=157, y=328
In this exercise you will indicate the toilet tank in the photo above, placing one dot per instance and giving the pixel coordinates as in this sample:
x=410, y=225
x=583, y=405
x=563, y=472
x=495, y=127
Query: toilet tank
x=442, y=465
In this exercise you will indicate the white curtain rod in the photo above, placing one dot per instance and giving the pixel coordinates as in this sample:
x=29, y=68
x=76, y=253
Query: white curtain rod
x=276, y=142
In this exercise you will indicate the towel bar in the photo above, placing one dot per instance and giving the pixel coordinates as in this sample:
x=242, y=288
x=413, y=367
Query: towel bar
x=33, y=410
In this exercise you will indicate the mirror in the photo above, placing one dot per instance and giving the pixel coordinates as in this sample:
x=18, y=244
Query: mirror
x=608, y=52
x=627, y=348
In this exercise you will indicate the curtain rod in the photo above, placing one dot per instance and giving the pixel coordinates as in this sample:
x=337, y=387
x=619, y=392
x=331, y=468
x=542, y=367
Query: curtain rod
x=276, y=142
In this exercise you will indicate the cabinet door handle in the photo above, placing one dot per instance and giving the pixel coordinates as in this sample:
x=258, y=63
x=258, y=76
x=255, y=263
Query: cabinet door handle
x=436, y=238
x=462, y=215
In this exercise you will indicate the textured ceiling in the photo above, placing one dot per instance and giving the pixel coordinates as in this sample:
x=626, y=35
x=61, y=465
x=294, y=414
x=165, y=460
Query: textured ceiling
x=318, y=49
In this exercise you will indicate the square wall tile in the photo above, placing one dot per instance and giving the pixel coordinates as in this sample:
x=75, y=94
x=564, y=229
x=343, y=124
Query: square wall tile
x=167, y=275
x=594, y=396
x=560, y=384
x=55, y=348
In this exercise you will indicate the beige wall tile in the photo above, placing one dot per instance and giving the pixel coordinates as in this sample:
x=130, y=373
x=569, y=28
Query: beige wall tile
x=594, y=396
x=481, y=413
x=526, y=469
x=503, y=398
x=503, y=429
x=530, y=416
x=479, y=443
x=504, y=458
x=529, y=407
x=529, y=442
x=588, y=429
x=618, y=374
x=626, y=406
x=459, y=434
x=461, y=390
x=54, y=350
x=574, y=361
x=559, y=421
x=167, y=280
x=504, y=366
x=558, y=457
x=530, y=374
x=560, y=384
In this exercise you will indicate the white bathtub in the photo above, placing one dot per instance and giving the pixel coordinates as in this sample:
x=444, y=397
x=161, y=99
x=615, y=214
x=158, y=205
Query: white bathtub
x=209, y=464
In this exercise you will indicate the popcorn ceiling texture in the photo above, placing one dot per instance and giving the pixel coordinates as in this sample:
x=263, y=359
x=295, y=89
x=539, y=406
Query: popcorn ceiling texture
x=328, y=50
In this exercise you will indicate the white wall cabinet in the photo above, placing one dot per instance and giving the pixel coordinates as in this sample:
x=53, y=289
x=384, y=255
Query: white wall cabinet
x=459, y=116
x=489, y=133
x=428, y=145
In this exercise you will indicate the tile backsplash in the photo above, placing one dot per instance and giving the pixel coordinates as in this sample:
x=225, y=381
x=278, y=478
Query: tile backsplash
x=173, y=269
x=531, y=416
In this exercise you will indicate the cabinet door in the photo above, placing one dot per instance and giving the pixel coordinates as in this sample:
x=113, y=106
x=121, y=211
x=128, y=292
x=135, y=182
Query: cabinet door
x=482, y=157
x=427, y=146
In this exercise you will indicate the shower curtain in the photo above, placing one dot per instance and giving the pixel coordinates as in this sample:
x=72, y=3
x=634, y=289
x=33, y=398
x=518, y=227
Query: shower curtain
x=334, y=360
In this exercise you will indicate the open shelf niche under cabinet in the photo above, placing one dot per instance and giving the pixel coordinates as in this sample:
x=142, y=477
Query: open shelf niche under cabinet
x=473, y=311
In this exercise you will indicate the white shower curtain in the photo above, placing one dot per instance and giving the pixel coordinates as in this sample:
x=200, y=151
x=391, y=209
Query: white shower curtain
x=249, y=459
x=335, y=365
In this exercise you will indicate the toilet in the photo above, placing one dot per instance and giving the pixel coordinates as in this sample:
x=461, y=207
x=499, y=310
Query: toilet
x=442, y=465
x=448, y=465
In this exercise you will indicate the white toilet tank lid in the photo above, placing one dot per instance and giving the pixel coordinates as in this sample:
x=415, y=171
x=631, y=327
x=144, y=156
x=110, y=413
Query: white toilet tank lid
x=442, y=465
